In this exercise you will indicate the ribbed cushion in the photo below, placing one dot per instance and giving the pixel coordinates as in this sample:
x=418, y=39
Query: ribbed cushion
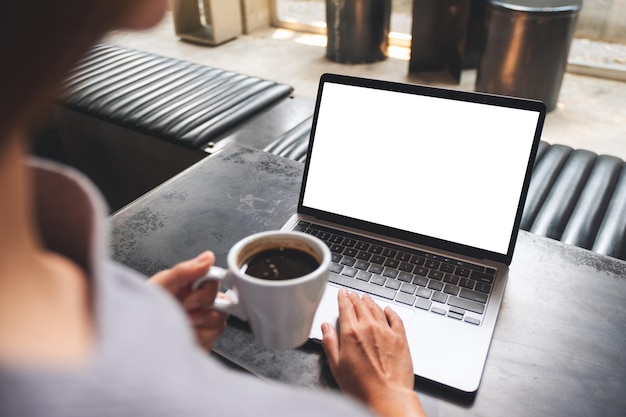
x=584, y=222
x=544, y=175
x=294, y=143
x=178, y=101
x=563, y=195
x=579, y=198
x=574, y=196
x=610, y=239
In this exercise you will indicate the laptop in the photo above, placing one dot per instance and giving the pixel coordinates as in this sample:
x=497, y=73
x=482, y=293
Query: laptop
x=419, y=191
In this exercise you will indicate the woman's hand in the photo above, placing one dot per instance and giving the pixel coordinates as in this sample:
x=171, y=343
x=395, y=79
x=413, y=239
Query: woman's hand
x=370, y=358
x=208, y=324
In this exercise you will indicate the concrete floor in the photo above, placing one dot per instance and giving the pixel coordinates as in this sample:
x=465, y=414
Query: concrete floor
x=591, y=113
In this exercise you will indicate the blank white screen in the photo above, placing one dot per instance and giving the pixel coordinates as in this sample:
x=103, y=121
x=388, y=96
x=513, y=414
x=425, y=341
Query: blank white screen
x=448, y=169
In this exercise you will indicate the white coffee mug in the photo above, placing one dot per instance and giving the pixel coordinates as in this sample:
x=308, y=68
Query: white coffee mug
x=280, y=312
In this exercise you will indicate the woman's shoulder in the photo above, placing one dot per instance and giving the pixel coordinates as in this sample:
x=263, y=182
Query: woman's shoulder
x=127, y=301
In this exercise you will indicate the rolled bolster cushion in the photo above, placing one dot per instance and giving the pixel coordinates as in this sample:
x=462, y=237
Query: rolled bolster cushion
x=579, y=198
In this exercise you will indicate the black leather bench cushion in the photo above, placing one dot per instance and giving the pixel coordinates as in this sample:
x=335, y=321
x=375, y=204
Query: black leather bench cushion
x=294, y=143
x=178, y=101
x=574, y=196
x=579, y=198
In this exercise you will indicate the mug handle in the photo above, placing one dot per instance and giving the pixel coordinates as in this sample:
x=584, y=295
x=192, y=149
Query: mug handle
x=228, y=306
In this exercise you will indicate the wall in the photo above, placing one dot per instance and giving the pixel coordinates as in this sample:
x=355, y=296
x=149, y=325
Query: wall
x=603, y=20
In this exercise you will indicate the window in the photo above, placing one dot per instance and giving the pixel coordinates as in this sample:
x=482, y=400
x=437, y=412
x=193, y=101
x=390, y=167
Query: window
x=310, y=16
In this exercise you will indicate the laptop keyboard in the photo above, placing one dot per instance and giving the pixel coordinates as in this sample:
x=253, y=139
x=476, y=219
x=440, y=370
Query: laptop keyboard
x=426, y=281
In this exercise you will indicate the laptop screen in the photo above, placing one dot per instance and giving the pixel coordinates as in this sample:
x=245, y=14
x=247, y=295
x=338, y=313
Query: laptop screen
x=436, y=166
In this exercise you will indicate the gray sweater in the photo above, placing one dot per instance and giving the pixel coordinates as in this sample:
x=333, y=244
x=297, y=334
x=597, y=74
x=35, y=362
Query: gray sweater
x=146, y=361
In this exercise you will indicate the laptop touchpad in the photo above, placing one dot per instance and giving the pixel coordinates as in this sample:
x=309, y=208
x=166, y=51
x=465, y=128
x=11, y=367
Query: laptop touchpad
x=329, y=312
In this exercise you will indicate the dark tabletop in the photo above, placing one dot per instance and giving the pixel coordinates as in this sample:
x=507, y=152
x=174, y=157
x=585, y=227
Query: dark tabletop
x=559, y=347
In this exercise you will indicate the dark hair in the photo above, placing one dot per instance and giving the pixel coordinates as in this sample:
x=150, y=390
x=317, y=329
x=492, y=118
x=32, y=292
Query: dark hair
x=40, y=41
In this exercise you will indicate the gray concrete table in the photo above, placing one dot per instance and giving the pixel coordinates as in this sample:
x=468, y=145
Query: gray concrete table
x=559, y=348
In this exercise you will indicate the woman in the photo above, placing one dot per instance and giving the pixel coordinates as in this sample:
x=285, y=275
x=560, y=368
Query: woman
x=80, y=334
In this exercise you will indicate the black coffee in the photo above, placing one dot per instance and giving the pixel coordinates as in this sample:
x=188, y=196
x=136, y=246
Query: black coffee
x=280, y=264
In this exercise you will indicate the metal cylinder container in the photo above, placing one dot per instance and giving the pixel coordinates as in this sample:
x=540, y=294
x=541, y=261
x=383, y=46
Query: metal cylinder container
x=358, y=30
x=526, y=46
